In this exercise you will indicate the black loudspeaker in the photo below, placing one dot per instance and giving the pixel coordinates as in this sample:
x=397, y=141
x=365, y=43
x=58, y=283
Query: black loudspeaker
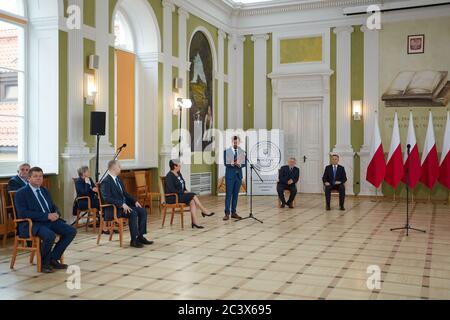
x=98, y=123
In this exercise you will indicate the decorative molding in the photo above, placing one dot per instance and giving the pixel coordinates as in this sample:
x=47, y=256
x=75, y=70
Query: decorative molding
x=168, y=4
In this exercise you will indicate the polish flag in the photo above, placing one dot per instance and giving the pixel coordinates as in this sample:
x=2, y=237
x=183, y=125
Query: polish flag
x=376, y=171
x=430, y=162
x=412, y=162
x=394, y=167
x=444, y=173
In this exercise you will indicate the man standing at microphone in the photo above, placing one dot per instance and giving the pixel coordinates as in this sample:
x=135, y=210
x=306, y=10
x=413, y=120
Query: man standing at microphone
x=234, y=162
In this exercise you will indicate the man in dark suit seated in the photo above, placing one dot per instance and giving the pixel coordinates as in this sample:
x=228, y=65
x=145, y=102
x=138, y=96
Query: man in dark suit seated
x=34, y=202
x=113, y=192
x=288, y=177
x=335, y=178
x=21, y=180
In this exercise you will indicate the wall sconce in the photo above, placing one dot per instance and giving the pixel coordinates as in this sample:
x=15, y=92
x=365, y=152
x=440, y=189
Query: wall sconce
x=183, y=103
x=90, y=89
x=357, y=109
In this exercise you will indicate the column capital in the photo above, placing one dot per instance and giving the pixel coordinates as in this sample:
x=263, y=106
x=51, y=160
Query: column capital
x=222, y=34
x=168, y=4
x=365, y=29
x=182, y=12
x=344, y=29
x=241, y=38
x=263, y=36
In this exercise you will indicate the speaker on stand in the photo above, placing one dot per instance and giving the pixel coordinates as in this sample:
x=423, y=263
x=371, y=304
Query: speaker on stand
x=98, y=129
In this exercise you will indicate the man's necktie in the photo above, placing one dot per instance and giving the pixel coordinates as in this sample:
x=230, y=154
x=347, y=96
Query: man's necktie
x=42, y=201
x=118, y=185
x=235, y=155
x=334, y=174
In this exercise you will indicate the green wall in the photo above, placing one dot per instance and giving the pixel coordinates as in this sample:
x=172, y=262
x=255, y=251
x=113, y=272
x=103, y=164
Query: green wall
x=249, y=83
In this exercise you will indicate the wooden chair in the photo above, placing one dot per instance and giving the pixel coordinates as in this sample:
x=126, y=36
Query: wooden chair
x=21, y=244
x=144, y=195
x=6, y=210
x=91, y=218
x=179, y=208
x=287, y=194
x=117, y=222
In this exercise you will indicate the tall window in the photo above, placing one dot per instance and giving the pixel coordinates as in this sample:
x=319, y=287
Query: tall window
x=12, y=81
x=125, y=115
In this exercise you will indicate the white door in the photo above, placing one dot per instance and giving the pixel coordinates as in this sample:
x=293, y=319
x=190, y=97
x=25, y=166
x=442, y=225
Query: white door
x=302, y=124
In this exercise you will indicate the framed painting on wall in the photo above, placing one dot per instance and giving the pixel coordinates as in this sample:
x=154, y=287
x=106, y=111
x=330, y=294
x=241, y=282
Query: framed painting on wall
x=416, y=44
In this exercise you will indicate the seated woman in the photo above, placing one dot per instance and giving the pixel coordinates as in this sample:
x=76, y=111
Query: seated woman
x=176, y=184
x=85, y=187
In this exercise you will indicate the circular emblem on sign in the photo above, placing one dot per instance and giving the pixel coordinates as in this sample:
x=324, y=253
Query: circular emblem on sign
x=266, y=156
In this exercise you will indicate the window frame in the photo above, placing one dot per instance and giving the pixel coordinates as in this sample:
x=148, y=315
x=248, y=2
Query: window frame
x=9, y=168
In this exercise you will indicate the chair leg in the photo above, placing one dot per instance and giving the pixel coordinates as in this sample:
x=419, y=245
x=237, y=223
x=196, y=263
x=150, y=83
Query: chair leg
x=77, y=223
x=164, y=212
x=33, y=253
x=88, y=221
x=38, y=254
x=173, y=216
x=102, y=223
x=182, y=220
x=121, y=233
x=14, y=254
x=111, y=230
x=94, y=221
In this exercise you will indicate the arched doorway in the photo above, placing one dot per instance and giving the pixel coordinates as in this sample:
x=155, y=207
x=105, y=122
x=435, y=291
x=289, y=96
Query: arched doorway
x=137, y=48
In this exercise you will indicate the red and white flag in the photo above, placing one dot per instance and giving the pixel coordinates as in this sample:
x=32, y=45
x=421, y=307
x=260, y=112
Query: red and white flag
x=376, y=171
x=394, y=167
x=444, y=172
x=412, y=161
x=430, y=161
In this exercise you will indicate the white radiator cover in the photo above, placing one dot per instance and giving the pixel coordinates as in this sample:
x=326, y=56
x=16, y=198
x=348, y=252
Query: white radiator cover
x=201, y=183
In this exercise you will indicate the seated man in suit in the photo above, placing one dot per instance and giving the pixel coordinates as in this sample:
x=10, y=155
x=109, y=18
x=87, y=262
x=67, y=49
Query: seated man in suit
x=288, y=177
x=335, y=178
x=34, y=202
x=21, y=180
x=113, y=192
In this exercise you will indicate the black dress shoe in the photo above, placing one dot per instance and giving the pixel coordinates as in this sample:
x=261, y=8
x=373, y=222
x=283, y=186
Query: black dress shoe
x=283, y=205
x=47, y=269
x=328, y=209
x=136, y=244
x=342, y=209
x=144, y=241
x=194, y=226
x=58, y=266
x=291, y=206
x=207, y=215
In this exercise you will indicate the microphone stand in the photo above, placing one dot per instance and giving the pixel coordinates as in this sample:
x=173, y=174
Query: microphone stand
x=252, y=168
x=407, y=227
x=116, y=156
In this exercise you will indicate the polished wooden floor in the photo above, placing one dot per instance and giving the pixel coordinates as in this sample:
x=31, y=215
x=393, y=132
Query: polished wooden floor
x=304, y=253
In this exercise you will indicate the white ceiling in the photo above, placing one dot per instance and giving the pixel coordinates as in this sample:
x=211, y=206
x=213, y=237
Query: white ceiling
x=264, y=3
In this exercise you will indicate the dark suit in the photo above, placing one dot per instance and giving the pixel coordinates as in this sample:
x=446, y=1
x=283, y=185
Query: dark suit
x=329, y=177
x=233, y=180
x=117, y=196
x=285, y=175
x=178, y=186
x=85, y=190
x=15, y=183
x=28, y=207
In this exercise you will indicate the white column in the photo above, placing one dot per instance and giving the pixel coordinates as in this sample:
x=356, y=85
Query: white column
x=76, y=153
x=239, y=82
x=232, y=46
x=221, y=80
x=183, y=66
x=75, y=104
x=371, y=100
x=260, y=81
x=166, y=148
x=343, y=102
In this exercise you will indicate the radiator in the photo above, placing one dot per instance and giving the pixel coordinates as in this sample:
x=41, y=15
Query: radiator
x=201, y=183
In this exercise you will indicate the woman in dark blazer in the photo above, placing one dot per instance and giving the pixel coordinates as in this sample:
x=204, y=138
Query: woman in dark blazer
x=176, y=184
x=85, y=187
